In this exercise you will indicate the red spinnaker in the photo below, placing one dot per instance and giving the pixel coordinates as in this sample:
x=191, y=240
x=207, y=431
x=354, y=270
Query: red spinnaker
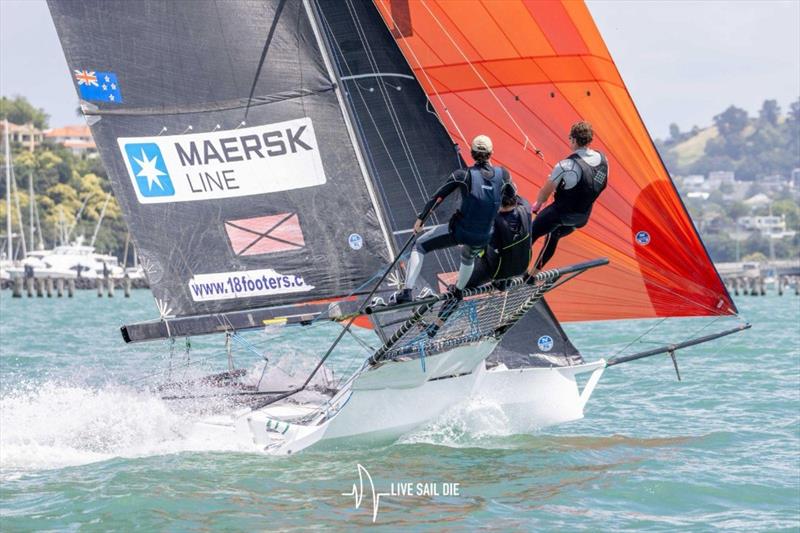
x=523, y=72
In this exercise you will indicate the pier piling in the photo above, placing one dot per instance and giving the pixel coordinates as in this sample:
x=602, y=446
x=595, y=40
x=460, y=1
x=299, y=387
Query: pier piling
x=126, y=284
x=29, y=286
x=48, y=284
x=70, y=287
x=99, y=285
x=17, y=288
x=110, y=287
x=40, y=288
x=60, y=287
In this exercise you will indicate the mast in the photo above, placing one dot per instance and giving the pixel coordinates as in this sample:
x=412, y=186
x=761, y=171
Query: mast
x=10, y=252
x=19, y=216
x=31, y=201
x=100, y=220
x=346, y=113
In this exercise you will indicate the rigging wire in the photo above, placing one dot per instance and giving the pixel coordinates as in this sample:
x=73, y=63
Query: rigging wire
x=481, y=78
x=264, y=50
x=397, y=126
x=387, y=10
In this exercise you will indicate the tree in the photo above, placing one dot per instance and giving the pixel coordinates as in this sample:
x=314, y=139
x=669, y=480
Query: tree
x=755, y=257
x=790, y=209
x=794, y=113
x=738, y=209
x=674, y=132
x=20, y=111
x=770, y=112
x=731, y=122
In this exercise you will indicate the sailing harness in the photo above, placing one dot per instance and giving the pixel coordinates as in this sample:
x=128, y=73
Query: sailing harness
x=513, y=231
x=578, y=200
x=472, y=224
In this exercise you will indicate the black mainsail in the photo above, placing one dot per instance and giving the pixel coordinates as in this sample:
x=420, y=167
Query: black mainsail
x=268, y=156
x=410, y=153
x=229, y=152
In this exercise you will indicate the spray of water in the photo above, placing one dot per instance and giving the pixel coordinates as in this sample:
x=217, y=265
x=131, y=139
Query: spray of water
x=53, y=425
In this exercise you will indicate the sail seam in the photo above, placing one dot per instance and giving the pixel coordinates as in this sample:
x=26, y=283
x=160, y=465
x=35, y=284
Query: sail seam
x=222, y=105
x=351, y=133
x=407, y=151
x=478, y=74
x=377, y=75
x=391, y=159
x=427, y=78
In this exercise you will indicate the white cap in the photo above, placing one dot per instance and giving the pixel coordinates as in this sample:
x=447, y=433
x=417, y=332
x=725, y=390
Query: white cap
x=482, y=144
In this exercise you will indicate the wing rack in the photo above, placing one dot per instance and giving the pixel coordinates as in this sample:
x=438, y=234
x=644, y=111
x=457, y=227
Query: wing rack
x=484, y=312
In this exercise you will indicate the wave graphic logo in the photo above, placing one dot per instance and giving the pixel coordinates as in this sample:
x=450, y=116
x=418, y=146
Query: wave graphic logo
x=357, y=492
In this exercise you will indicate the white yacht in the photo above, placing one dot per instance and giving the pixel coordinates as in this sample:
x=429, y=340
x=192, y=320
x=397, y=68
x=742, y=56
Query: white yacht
x=68, y=261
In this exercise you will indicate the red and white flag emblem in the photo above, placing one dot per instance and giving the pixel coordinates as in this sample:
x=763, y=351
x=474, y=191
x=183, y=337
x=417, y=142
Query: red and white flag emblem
x=84, y=77
x=265, y=235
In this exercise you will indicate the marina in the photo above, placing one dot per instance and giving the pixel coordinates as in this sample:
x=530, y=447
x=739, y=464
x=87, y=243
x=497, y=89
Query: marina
x=331, y=264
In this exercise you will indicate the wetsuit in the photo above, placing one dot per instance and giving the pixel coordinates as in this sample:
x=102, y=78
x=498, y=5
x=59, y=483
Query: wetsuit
x=482, y=187
x=579, y=180
x=509, y=251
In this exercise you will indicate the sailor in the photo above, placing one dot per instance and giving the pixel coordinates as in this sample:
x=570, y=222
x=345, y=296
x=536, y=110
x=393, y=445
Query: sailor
x=509, y=251
x=577, y=182
x=482, y=187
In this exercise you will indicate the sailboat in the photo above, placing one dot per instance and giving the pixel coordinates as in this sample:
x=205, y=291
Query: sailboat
x=269, y=159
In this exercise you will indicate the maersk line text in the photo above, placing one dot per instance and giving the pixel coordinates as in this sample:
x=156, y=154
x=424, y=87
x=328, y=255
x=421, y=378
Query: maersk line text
x=224, y=164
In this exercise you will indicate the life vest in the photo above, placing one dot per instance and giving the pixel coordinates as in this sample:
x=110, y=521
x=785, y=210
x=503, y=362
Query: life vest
x=512, y=236
x=472, y=224
x=579, y=199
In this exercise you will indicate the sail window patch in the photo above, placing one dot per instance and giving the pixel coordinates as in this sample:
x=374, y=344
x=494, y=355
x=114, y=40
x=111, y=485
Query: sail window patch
x=643, y=238
x=224, y=164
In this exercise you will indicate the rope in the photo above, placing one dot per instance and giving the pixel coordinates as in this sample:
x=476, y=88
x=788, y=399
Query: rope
x=397, y=126
x=387, y=10
x=527, y=140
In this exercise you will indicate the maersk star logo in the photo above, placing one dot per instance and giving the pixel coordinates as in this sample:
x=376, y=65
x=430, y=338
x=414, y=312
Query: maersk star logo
x=149, y=169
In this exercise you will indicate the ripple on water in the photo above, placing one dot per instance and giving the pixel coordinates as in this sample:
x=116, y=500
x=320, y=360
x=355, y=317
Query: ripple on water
x=721, y=449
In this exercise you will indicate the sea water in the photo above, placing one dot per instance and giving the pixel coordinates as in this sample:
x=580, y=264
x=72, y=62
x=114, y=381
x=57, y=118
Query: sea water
x=86, y=445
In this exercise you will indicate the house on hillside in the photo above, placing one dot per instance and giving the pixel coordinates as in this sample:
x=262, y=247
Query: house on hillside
x=77, y=138
x=770, y=226
x=718, y=177
x=25, y=134
x=759, y=200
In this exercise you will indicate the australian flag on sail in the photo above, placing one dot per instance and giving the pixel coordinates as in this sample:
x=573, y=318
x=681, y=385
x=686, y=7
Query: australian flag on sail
x=95, y=86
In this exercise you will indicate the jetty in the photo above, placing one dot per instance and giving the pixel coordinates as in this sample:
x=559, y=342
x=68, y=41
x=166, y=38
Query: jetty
x=753, y=278
x=40, y=287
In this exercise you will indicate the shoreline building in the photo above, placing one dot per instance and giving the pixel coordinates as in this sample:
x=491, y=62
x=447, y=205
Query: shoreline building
x=25, y=134
x=77, y=138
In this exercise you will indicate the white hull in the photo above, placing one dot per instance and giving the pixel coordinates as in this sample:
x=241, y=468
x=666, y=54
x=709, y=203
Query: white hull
x=392, y=399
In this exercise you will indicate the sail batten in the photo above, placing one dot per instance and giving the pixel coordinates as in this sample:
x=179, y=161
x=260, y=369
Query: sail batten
x=227, y=146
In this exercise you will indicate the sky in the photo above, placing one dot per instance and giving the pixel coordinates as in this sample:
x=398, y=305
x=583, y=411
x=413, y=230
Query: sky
x=683, y=61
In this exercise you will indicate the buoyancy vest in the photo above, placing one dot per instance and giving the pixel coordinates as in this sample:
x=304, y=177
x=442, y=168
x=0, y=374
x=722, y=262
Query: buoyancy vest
x=472, y=224
x=579, y=199
x=511, y=252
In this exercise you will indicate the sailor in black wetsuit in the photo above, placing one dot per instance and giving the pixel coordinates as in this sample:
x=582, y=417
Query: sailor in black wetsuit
x=509, y=252
x=482, y=187
x=577, y=181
